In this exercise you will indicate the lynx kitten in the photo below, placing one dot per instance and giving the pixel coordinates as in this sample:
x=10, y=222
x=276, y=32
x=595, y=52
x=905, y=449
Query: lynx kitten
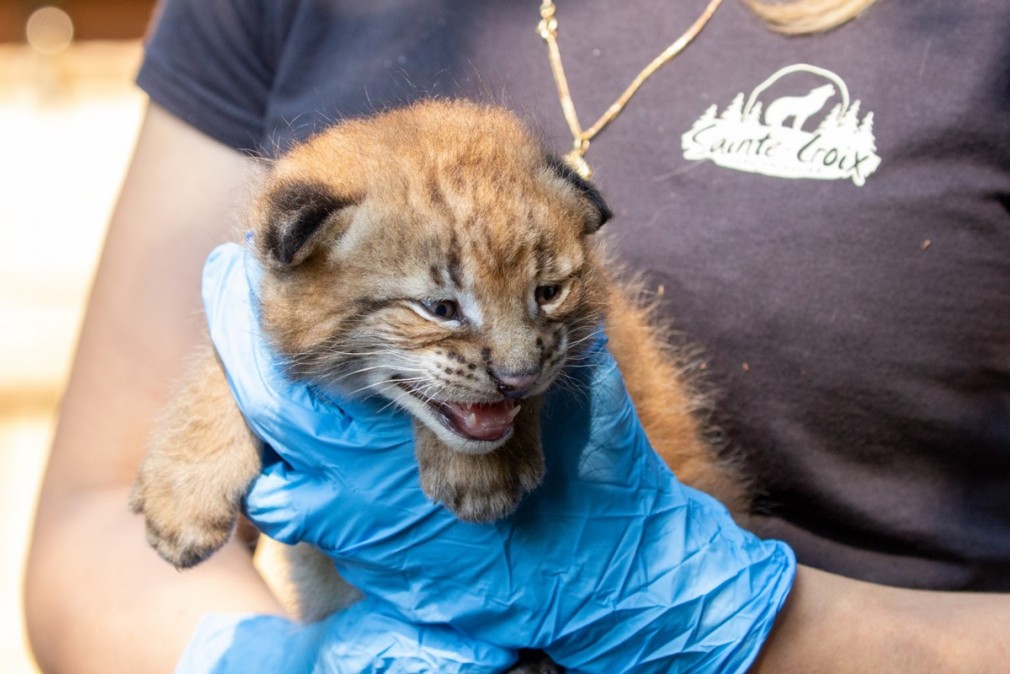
x=436, y=256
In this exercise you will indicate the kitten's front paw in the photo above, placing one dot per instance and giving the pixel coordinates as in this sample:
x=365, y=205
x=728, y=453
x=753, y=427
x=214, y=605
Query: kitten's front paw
x=479, y=487
x=184, y=526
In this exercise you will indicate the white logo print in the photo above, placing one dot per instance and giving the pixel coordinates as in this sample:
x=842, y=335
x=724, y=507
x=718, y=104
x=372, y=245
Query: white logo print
x=841, y=146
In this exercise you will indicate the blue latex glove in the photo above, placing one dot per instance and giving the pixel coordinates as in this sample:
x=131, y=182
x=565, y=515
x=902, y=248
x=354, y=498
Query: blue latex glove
x=611, y=566
x=356, y=640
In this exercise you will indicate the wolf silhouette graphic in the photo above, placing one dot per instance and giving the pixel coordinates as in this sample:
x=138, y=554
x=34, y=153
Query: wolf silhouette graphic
x=800, y=108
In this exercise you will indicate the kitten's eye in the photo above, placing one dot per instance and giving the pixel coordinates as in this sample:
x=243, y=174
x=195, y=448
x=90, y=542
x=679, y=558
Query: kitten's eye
x=547, y=293
x=447, y=310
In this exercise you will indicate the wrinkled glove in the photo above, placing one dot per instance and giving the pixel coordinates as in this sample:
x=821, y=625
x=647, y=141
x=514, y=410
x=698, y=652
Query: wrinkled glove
x=610, y=566
x=359, y=639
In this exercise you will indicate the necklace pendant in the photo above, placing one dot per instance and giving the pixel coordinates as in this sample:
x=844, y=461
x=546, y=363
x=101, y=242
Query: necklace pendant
x=575, y=160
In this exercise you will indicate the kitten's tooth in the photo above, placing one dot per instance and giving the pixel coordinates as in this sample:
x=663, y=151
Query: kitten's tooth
x=471, y=420
x=515, y=411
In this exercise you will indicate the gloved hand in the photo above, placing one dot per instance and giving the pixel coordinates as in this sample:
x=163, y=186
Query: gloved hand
x=359, y=639
x=610, y=566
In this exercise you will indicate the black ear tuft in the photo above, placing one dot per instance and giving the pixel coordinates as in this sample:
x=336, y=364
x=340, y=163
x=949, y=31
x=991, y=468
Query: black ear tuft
x=586, y=188
x=294, y=215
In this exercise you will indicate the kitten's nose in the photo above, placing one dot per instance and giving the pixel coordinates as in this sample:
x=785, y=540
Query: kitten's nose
x=515, y=384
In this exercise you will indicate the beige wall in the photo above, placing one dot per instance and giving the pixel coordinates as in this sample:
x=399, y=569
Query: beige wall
x=67, y=124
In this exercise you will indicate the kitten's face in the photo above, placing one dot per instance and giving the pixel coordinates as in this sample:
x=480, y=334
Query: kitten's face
x=436, y=257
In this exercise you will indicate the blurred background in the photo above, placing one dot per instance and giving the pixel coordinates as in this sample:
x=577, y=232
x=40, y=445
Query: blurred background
x=68, y=116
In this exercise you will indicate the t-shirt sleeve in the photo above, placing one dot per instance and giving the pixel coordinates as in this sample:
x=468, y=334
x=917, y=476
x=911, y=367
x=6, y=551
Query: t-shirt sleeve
x=210, y=63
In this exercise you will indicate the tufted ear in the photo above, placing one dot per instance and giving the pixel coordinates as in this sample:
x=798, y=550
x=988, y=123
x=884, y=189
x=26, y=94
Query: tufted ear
x=601, y=212
x=292, y=217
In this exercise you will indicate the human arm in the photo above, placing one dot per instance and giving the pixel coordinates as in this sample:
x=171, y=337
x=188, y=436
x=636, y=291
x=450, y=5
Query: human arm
x=835, y=624
x=97, y=597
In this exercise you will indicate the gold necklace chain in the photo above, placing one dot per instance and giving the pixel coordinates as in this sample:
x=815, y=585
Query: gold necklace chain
x=548, y=29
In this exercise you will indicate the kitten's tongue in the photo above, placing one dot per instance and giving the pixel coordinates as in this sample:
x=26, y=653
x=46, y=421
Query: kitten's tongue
x=482, y=421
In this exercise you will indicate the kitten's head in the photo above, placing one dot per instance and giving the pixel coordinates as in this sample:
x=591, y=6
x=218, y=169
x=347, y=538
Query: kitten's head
x=434, y=255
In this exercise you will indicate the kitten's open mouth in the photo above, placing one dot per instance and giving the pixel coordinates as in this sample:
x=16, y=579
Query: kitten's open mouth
x=486, y=422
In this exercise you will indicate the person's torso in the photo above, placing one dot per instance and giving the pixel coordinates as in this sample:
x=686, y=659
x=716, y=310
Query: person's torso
x=825, y=216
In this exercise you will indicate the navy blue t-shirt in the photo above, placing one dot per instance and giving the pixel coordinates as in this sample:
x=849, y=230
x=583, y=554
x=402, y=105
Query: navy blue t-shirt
x=826, y=217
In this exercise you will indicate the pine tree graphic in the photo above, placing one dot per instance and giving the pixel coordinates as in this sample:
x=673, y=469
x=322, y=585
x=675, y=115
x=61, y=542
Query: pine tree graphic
x=866, y=133
x=708, y=115
x=850, y=122
x=735, y=110
x=831, y=121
